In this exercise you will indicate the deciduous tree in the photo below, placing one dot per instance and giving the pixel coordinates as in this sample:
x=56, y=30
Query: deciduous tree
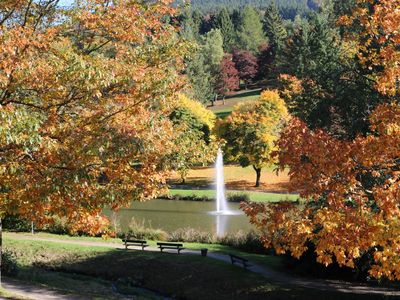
x=352, y=193
x=228, y=77
x=246, y=64
x=83, y=103
x=251, y=130
x=193, y=124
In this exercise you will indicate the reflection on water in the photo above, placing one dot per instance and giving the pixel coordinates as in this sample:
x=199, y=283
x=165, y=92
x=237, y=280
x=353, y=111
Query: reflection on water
x=170, y=215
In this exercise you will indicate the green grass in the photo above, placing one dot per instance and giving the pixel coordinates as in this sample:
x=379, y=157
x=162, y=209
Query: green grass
x=90, y=271
x=254, y=196
x=4, y=294
x=224, y=110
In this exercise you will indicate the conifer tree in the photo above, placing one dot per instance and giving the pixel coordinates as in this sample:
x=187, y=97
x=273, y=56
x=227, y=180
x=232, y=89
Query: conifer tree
x=199, y=78
x=274, y=28
x=250, y=32
x=224, y=23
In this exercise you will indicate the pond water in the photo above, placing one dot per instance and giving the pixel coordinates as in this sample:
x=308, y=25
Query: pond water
x=170, y=215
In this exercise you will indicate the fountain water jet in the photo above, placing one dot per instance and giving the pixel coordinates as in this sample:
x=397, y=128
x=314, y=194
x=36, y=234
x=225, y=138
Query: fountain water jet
x=220, y=184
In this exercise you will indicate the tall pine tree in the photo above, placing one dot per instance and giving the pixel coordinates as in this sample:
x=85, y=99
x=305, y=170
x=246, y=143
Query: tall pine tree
x=274, y=28
x=225, y=25
x=250, y=30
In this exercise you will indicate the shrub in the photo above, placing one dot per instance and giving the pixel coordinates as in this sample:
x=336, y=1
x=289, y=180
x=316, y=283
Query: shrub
x=139, y=230
x=187, y=198
x=8, y=263
x=238, y=197
x=16, y=223
x=246, y=241
x=191, y=235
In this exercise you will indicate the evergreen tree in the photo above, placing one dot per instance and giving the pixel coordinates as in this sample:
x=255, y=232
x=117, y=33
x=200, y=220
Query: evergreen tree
x=330, y=78
x=187, y=26
x=197, y=18
x=200, y=79
x=274, y=29
x=276, y=32
x=250, y=32
x=224, y=23
x=212, y=50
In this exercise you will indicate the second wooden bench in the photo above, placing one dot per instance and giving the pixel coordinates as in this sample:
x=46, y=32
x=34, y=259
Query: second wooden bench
x=176, y=246
x=241, y=260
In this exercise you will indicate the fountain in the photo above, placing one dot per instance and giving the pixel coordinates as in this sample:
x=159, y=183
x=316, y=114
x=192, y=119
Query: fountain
x=220, y=184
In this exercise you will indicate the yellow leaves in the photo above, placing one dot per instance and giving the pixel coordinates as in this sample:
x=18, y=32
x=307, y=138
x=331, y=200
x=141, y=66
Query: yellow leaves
x=197, y=109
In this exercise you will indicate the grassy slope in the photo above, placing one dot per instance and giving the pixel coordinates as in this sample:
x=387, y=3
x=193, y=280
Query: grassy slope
x=90, y=271
x=7, y=295
x=270, y=261
x=224, y=110
x=237, y=178
x=254, y=196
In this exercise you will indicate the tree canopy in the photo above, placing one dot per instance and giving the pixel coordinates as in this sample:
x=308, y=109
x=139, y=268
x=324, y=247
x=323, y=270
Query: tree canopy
x=84, y=96
x=250, y=131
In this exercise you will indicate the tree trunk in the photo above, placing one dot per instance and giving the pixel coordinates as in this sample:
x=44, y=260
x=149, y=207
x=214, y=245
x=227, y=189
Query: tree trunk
x=258, y=177
x=1, y=245
x=223, y=100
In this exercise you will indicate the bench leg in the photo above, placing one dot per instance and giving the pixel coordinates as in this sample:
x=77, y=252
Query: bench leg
x=126, y=246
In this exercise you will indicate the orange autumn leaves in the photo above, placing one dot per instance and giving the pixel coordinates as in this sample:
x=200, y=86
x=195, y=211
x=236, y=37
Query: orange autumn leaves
x=84, y=100
x=378, y=39
x=353, y=192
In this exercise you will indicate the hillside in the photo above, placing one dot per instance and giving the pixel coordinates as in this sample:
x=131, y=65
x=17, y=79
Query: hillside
x=288, y=8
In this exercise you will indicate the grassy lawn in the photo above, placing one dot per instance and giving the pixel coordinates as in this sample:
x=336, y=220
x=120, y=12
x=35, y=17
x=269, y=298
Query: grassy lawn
x=7, y=295
x=224, y=110
x=254, y=196
x=237, y=178
x=273, y=262
x=92, y=271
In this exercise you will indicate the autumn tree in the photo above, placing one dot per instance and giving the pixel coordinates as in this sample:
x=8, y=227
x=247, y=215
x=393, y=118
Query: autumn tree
x=350, y=186
x=251, y=130
x=193, y=124
x=228, y=77
x=246, y=64
x=83, y=103
x=352, y=190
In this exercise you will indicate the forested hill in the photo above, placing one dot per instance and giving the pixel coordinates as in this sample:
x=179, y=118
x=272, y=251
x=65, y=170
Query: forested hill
x=288, y=8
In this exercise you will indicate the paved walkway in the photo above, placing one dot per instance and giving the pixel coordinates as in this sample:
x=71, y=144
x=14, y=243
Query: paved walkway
x=280, y=277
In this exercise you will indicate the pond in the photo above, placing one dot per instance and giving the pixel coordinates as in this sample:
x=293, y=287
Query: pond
x=170, y=215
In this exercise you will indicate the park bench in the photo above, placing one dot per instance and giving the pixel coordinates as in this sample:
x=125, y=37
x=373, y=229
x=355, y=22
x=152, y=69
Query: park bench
x=241, y=260
x=129, y=242
x=176, y=246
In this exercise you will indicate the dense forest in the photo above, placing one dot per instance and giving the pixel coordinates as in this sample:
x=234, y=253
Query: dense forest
x=288, y=8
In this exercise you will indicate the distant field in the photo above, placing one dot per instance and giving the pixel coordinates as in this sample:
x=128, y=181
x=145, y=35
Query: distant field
x=224, y=110
x=237, y=178
x=254, y=196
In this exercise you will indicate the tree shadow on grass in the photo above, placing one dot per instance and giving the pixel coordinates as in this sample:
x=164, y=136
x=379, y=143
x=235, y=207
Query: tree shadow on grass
x=179, y=276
